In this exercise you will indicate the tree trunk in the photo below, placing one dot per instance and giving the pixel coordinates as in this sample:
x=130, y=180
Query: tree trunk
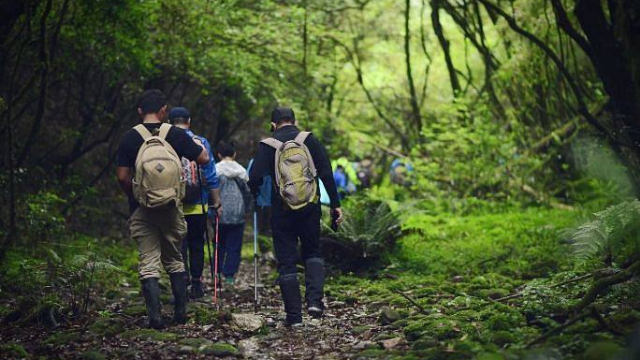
x=415, y=108
x=444, y=44
x=611, y=59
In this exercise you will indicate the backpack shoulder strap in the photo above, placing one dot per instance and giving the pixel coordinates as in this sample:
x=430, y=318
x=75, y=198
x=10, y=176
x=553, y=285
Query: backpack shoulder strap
x=164, y=131
x=301, y=137
x=274, y=143
x=143, y=131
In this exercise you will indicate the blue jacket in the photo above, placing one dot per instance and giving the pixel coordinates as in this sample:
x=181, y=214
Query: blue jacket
x=263, y=198
x=209, y=170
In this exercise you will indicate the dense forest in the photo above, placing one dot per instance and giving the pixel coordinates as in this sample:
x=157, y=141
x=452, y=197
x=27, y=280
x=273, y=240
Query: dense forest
x=513, y=233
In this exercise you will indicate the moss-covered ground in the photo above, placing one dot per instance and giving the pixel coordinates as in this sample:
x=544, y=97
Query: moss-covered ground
x=451, y=276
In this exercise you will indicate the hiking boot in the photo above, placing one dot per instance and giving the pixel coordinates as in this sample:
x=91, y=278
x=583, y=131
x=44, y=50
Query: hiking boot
x=197, y=291
x=179, y=289
x=151, y=292
x=315, y=312
x=314, y=283
x=290, y=288
x=229, y=281
x=292, y=324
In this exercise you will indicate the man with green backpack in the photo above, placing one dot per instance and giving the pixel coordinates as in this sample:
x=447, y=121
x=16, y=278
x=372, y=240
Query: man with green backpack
x=295, y=160
x=150, y=173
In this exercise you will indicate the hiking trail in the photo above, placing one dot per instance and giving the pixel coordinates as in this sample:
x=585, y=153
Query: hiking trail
x=118, y=332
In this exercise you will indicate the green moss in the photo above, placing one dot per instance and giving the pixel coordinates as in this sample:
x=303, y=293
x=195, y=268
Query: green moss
x=424, y=344
x=63, y=337
x=384, y=336
x=503, y=337
x=371, y=354
x=93, y=355
x=135, y=310
x=113, y=294
x=360, y=329
x=489, y=356
x=204, y=315
x=194, y=342
x=106, y=327
x=220, y=350
x=521, y=242
x=11, y=350
x=602, y=351
x=149, y=334
x=400, y=324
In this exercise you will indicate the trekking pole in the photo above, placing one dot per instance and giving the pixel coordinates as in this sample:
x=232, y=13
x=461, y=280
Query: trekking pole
x=215, y=279
x=255, y=259
x=206, y=233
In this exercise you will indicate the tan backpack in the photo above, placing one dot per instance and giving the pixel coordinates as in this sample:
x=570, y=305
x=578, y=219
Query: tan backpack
x=158, y=170
x=295, y=171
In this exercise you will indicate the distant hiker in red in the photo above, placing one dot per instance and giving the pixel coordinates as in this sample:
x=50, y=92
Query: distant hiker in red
x=300, y=160
x=149, y=172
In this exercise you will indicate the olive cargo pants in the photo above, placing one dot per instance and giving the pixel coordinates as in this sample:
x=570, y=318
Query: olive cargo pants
x=159, y=234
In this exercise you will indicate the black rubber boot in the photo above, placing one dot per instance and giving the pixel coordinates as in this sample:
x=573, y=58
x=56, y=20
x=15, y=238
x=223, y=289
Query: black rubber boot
x=290, y=288
x=179, y=289
x=314, y=283
x=197, y=291
x=151, y=292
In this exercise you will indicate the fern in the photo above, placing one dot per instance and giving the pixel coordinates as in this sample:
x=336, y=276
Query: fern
x=370, y=227
x=613, y=234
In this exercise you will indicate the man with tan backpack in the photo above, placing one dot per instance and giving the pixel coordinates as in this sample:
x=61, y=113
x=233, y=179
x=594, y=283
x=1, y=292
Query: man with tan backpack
x=295, y=160
x=150, y=173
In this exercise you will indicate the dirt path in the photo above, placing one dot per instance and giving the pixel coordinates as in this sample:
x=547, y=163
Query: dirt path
x=119, y=333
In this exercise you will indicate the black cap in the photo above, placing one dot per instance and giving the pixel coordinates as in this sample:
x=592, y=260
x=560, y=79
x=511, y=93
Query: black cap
x=281, y=113
x=179, y=112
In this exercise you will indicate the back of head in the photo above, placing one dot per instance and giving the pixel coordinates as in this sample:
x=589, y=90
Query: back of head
x=180, y=116
x=283, y=114
x=225, y=149
x=151, y=102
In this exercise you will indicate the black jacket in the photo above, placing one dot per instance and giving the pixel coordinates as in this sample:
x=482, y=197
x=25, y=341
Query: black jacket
x=264, y=164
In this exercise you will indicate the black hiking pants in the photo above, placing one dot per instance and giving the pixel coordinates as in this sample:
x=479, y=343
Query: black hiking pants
x=287, y=228
x=193, y=246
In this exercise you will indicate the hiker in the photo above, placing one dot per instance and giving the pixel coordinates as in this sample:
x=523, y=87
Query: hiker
x=340, y=177
x=400, y=172
x=149, y=172
x=236, y=201
x=202, y=187
x=349, y=170
x=263, y=203
x=364, y=171
x=296, y=210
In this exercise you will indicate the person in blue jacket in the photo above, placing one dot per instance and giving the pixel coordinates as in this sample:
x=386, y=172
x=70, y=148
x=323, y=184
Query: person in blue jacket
x=263, y=203
x=193, y=243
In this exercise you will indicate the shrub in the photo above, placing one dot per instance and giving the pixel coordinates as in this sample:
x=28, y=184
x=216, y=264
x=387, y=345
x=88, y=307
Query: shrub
x=369, y=231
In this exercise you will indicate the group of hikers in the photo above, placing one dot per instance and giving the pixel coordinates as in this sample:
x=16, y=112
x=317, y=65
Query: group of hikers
x=174, y=184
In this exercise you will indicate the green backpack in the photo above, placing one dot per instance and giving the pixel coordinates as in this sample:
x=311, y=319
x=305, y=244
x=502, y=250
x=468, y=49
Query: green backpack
x=157, y=181
x=295, y=171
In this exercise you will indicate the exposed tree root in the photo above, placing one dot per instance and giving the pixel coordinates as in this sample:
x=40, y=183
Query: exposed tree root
x=412, y=301
x=558, y=329
x=603, y=284
x=519, y=294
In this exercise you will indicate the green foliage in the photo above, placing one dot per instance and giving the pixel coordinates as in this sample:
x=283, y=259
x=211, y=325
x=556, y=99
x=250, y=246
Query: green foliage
x=370, y=229
x=13, y=350
x=43, y=219
x=612, y=236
